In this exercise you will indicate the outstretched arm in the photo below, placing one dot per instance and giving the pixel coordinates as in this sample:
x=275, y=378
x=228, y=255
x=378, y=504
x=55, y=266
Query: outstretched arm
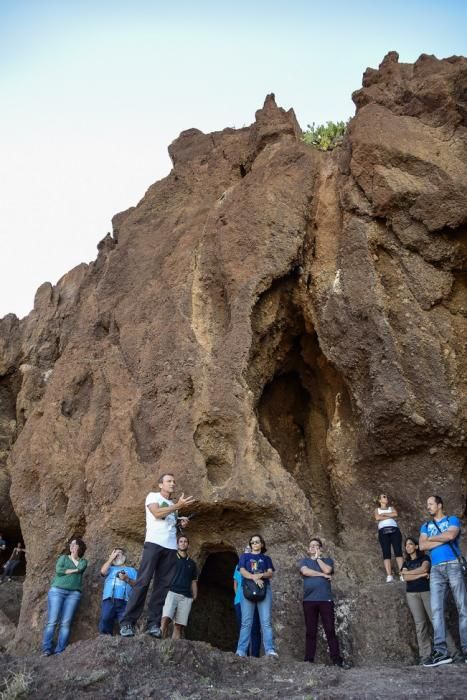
x=162, y=511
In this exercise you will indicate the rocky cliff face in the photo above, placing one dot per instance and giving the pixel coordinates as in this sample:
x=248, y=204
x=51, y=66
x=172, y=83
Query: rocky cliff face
x=281, y=327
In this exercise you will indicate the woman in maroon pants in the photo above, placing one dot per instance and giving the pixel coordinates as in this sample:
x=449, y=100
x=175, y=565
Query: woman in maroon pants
x=316, y=572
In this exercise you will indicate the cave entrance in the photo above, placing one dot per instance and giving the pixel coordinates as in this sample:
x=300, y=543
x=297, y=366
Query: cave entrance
x=296, y=390
x=212, y=618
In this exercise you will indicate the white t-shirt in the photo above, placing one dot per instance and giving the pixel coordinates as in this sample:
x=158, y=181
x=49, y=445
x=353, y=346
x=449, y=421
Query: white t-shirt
x=161, y=531
x=389, y=522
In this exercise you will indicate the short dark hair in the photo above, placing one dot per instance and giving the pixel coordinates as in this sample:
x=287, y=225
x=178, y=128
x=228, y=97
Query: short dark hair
x=438, y=500
x=316, y=539
x=182, y=534
x=162, y=477
x=263, y=543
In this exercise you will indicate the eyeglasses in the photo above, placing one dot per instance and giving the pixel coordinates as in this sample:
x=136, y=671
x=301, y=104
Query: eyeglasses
x=255, y=542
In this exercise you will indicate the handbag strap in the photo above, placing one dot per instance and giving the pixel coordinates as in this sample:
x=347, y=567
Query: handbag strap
x=458, y=555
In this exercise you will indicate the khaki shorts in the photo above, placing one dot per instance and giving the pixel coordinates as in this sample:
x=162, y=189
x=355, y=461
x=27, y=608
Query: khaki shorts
x=177, y=606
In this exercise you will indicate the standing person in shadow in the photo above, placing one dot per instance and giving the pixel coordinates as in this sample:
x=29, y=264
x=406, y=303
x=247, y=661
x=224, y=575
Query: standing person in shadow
x=255, y=640
x=13, y=562
x=416, y=573
x=388, y=534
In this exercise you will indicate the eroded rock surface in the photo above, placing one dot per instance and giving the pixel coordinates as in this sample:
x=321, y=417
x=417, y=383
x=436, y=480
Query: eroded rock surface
x=281, y=327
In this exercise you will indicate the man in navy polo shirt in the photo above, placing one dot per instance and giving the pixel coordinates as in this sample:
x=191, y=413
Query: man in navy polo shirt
x=440, y=538
x=183, y=590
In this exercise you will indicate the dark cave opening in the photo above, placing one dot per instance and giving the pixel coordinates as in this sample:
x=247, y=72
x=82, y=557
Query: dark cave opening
x=297, y=391
x=212, y=616
x=294, y=411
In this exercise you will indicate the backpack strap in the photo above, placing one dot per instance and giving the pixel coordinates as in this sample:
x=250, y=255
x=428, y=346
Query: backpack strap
x=458, y=554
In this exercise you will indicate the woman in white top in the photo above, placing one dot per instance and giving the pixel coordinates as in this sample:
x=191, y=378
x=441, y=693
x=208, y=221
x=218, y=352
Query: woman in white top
x=388, y=534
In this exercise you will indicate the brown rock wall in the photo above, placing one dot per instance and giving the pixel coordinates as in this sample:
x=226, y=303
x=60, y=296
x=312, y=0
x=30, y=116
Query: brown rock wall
x=281, y=327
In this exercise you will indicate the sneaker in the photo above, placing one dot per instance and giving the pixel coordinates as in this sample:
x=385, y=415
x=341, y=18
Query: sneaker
x=389, y=578
x=154, y=631
x=437, y=659
x=401, y=578
x=271, y=652
x=127, y=631
x=47, y=653
x=241, y=656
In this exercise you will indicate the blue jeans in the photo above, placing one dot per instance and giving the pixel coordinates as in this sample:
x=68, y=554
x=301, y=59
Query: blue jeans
x=264, y=612
x=61, y=607
x=112, y=609
x=443, y=577
x=255, y=645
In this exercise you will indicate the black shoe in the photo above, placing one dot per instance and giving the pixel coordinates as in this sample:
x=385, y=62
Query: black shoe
x=437, y=659
x=127, y=631
x=154, y=631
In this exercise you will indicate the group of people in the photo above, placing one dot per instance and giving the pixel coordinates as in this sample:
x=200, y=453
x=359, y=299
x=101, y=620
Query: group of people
x=13, y=561
x=432, y=566
x=165, y=562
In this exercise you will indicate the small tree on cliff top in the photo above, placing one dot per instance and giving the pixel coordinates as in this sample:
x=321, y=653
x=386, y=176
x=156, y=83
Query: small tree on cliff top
x=324, y=136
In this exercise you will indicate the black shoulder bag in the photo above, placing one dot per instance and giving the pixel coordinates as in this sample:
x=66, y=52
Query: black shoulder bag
x=459, y=556
x=252, y=591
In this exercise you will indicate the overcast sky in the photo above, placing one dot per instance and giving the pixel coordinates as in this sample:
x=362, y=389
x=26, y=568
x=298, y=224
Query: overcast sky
x=93, y=91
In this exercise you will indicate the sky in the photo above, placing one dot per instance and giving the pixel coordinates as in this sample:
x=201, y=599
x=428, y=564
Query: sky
x=93, y=91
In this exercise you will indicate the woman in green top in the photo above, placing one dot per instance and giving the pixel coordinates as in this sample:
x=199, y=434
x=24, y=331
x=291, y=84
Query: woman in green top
x=64, y=596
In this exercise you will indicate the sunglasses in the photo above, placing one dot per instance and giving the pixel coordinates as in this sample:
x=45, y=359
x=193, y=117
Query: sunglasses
x=255, y=542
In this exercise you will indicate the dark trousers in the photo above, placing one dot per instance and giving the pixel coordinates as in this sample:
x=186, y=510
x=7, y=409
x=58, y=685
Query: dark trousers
x=158, y=565
x=112, y=609
x=9, y=568
x=325, y=609
x=255, y=638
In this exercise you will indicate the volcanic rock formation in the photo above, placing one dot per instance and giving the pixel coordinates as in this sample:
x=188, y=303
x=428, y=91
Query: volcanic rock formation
x=281, y=327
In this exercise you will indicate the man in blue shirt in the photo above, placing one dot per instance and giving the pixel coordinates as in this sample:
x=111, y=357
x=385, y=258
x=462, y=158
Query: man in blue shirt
x=119, y=580
x=440, y=538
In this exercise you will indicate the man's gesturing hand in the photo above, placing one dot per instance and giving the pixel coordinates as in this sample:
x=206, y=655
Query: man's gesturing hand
x=185, y=501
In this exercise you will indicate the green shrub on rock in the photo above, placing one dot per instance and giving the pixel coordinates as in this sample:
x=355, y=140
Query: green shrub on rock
x=325, y=136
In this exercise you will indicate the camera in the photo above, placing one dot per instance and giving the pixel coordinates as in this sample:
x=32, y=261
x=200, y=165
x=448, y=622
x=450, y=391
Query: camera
x=121, y=574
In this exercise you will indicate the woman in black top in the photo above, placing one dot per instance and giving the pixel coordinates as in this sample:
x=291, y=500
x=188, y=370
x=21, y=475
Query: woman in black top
x=416, y=573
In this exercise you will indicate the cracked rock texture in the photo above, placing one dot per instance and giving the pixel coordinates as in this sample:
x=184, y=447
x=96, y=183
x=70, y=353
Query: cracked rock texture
x=281, y=327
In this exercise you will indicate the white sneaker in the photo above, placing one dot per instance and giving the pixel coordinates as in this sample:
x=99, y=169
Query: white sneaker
x=389, y=578
x=272, y=653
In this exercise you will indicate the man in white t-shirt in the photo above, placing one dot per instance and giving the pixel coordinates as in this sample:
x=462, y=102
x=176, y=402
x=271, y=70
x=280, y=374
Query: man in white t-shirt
x=159, y=557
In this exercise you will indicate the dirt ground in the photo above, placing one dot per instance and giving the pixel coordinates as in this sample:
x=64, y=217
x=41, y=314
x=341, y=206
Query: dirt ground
x=112, y=667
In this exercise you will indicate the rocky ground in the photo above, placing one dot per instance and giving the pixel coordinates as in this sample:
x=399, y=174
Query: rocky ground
x=111, y=667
